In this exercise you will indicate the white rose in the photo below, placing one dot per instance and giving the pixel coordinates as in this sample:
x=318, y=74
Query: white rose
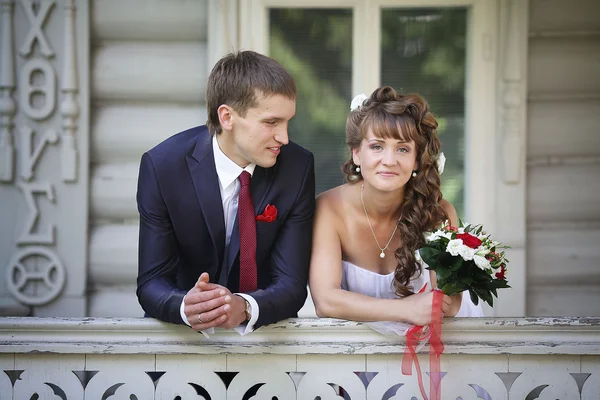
x=432, y=237
x=466, y=252
x=454, y=246
x=441, y=162
x=358, y=101
x=481, y=262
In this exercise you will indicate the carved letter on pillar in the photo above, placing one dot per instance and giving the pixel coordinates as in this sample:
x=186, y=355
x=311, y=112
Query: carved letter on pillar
x=36, y=32
x=7, y=85
x=513, y=99
x=69, y=107
x=47, y=89
x=30, y=156
x=29, y=266
x=28, y=236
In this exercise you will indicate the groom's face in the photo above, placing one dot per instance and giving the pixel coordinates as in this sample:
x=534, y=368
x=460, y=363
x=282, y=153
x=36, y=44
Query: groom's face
x=257, y=137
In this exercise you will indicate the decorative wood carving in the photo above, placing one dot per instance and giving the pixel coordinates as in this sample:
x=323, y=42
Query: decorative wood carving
x=36, y=23
x=69, y=107
x=28, y=236
x=132, y=382
x=28, y=90
x=513, y=141
x=27, y=269
x=7, y=86
x=30, y=153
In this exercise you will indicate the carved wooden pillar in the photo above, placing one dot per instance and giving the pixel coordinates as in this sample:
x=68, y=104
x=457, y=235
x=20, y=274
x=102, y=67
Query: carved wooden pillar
x=43, y=245
x=69, y=107
x=8, y=108
x=511, y=144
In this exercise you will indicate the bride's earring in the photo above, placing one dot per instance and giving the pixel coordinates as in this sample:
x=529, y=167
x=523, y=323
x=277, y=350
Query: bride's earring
x=414, y=174
x=357, y=169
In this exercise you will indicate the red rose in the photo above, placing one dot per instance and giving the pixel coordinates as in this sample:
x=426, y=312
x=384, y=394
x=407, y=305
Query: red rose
x=469, y=240
x=501, y=274
x=269, y=215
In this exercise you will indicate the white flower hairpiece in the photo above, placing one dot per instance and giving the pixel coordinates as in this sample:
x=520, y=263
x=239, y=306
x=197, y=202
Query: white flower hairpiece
x=441, y=162
x=358, y=101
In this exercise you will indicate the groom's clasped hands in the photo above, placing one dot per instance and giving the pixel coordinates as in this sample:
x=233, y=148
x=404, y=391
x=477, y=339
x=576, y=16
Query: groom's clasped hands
x=208, y=305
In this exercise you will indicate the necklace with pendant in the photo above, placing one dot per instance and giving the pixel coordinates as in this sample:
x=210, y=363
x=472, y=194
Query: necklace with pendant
x=382, y=254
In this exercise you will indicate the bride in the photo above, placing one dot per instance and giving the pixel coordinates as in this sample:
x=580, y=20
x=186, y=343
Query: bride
x=365, y=265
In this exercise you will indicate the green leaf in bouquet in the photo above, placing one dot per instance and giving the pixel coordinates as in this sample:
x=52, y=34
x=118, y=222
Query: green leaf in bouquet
x=443, y=273
x=445, y=259
x=467, y=279
x=485, y=296
x=450, y=288
x=429, y=255
x=474, y=297
x=457, y=262
x=500, y=284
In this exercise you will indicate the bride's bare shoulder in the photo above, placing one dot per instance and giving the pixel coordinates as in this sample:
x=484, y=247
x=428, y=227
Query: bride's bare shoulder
x=335, y=200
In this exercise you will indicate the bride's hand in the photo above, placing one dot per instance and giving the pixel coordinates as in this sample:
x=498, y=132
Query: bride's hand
x=419, y=308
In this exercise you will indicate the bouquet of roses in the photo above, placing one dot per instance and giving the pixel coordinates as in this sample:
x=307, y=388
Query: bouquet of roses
x=465, y=258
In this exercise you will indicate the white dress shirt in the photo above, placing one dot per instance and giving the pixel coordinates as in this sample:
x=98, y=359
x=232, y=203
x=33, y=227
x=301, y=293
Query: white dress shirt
x=228, y=173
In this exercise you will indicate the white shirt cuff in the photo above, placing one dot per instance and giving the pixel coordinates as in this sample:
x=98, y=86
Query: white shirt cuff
x=247, y=327
x=205, y=332
x=182, y=313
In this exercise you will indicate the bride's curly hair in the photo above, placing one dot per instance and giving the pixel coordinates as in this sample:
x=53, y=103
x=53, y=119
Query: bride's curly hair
x=404, y=117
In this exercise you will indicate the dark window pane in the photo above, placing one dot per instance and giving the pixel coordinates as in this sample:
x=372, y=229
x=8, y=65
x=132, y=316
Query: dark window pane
x=424, y=50
x=315, y=45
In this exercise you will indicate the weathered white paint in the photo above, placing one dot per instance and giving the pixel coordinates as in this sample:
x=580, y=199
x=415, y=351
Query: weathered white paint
x=113, y=254
x=113, y=190
x=152, y=20
x=564, y=65
x=563, y=128
x=563, y=193
x=149, y=67
x=150, y=71
x=563, y=255
x=297, y=358
x=114, y=300
x=122, y=132
x=564, y=158
x=562, y=298
x=559, y=15
x=552, y=335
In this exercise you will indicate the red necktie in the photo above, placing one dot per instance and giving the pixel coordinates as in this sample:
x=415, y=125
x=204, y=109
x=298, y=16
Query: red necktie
x=247, y=224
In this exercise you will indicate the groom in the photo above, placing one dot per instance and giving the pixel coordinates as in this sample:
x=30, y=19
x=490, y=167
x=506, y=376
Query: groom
x=226, y=209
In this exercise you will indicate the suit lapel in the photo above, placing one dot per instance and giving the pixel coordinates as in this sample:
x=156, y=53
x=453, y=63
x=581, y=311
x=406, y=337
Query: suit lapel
x=262, y=178
x=206, y=183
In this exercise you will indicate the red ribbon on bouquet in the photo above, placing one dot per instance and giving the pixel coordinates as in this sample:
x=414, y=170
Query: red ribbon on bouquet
x=416, y=334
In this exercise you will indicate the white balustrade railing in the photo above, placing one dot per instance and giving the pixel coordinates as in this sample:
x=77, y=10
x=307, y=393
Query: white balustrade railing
x=484, y=358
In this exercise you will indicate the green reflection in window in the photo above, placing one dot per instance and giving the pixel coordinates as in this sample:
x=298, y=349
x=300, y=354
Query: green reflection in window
x=315, y=45
x=424, y=50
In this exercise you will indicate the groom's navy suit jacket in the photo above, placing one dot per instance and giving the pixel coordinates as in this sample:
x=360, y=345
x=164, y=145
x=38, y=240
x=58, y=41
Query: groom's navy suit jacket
x=182, y=228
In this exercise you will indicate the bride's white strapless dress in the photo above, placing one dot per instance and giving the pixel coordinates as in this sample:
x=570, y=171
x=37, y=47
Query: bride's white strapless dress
x=360, y=280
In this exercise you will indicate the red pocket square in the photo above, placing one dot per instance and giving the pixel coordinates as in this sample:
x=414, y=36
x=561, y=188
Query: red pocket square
x=269, y=215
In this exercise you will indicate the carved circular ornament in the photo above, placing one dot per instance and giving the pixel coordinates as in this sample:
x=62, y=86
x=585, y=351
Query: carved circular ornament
x=35, y=276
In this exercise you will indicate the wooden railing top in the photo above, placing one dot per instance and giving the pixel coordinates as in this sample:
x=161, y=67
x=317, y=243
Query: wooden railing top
x=559, y=335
